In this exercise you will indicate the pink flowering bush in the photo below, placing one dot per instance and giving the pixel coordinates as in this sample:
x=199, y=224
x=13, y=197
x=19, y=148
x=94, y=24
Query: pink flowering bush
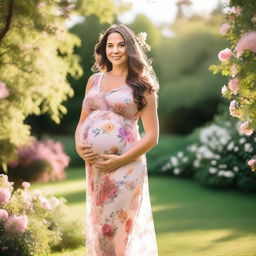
x=246, y=42
x=224, y=28
x=238, y=61
x=5, y=195
x=32, y=223
x=225, y=54
x=40, y=161
x=233, y=85
x=16, y=224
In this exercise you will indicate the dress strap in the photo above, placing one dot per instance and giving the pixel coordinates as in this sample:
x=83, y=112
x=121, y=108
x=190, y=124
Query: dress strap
x=98, y=80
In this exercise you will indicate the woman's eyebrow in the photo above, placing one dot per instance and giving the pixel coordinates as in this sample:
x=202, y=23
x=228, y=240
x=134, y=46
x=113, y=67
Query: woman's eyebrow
x=118, y=43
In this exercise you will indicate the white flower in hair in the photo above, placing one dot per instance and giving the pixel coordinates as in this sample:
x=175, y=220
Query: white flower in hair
x=141, y=38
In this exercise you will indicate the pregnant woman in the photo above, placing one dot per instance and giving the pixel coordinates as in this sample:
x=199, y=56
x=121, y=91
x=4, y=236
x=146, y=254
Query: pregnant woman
x=119, y=220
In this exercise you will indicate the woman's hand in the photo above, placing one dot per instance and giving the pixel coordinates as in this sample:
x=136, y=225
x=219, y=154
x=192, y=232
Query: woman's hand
x=112, y=163
x=87, y=154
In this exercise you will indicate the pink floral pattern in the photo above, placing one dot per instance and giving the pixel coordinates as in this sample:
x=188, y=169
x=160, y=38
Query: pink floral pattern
x=119, y=220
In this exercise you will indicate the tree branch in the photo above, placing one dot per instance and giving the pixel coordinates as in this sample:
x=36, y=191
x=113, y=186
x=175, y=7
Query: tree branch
x=8, y=21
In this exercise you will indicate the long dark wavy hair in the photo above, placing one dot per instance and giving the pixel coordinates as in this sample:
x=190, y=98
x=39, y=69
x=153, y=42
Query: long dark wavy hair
x=141, y=76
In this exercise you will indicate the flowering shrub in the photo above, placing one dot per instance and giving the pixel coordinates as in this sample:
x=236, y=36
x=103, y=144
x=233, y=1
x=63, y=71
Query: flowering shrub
x=238, y=61
x=33, y=223
x=41, y=161
x=221, y=157
x=180, y=164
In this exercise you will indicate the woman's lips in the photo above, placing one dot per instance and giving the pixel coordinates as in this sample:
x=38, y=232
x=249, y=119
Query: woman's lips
x=116, y=57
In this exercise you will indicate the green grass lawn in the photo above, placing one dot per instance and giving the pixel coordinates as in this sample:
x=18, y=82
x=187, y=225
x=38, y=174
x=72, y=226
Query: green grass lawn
x=190, y=220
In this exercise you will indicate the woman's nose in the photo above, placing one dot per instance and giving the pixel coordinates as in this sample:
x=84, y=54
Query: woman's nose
x=116, y=49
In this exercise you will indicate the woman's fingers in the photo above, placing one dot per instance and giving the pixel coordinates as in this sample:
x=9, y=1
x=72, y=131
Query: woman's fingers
x=87, y=151
x=88, y=154
x=91, y=156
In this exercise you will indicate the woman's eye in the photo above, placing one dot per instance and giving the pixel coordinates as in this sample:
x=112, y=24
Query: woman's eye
x=120, y=45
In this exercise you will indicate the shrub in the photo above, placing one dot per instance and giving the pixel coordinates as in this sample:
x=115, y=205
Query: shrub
x=220, y=157
x=168, y=145
x=33, y=223
x=40, y=161
x=238, y=61
x=180, y=164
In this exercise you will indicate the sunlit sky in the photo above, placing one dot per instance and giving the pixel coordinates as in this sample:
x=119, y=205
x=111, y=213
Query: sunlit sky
x=164, y=11
x=159, y=11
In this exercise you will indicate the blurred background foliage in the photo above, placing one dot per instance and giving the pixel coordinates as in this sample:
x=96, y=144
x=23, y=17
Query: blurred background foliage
x=45, y=65
x=189, y=94
x=37, y=58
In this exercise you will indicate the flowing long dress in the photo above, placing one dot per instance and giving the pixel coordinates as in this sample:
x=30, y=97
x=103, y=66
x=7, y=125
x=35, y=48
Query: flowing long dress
x=119, y=220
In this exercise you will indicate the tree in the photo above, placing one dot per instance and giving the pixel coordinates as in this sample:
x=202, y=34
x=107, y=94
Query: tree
x=188, y=95
x=36, y=55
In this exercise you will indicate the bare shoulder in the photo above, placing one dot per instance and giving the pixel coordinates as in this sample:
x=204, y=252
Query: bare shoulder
x=91, y=80
x=151, y=99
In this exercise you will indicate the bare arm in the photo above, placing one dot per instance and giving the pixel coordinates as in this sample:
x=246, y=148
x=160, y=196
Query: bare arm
x=150, y=122
x=83, y=116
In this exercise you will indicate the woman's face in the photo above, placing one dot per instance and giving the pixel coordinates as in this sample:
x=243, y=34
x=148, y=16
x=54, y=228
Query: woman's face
x=116, y=49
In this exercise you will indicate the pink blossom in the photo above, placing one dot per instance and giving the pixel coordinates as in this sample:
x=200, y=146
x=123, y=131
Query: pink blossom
x=107, y=190
x=27, y=199
x=16, y=223
x=54, y=202
x=108, y=230
x=234, y=70
x=246, y=42
x=224, y=28
x=232, y=109
x=225, y=54
x=126, y=134
x=252, y=163
x=233, y=85
x=45, y=203
x=224, y=89
x=3, y=90
x=5, y=195
x=41, y=5
x=38, y=193
x=25, y=184
x=236, y=10
x=3, y=215
x=244, y=128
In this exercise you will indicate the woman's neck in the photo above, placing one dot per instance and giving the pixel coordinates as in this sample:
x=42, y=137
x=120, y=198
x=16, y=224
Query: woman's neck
x=119, y=71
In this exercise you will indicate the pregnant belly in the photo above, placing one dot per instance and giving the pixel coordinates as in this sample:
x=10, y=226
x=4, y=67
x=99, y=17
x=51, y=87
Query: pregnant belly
x=108, y=132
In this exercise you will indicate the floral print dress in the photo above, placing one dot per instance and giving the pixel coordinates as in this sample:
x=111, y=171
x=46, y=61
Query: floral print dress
x=119, y=219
